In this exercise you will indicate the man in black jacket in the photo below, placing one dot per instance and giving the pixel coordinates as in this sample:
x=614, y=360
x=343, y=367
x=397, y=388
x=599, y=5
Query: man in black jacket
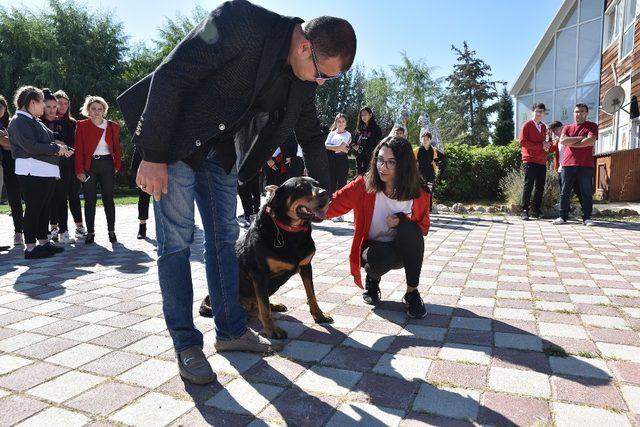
x=210, y=115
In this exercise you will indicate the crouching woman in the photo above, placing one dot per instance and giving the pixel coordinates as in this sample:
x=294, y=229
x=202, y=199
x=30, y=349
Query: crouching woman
x=391, y=216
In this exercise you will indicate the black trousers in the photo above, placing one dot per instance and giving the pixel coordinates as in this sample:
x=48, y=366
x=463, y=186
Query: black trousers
x=14, y=194
x=296, y=168
x=338, y=170
x=143, y=205
x=272, y=177
x=534, y=176
x=66, y=193
x=102, y=172
x=406, y=250
x=38, y=192
x=576, y=187
x=250, y=196
x=362, y=162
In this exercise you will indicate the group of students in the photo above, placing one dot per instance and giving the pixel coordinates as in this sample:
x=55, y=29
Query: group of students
x=573, y=160
x=46, y=156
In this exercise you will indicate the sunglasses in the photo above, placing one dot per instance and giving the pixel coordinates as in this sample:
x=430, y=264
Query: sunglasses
x=319, y=75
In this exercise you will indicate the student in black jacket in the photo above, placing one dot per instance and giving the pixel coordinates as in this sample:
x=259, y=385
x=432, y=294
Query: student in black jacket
x=9, y=174
x=240, y=62
x=368, y=134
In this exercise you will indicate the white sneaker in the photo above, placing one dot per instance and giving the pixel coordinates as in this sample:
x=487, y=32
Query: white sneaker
x=558, y=221
x=81, y=232
x=589, y=222
x=338, y=219
x=18, y=239
x=53, y=235
x=65, y=238
x=243, y=222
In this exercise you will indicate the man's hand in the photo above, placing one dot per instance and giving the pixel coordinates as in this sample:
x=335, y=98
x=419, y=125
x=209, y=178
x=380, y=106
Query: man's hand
x=81, y=177
x=153, y=179
x=271, y=188
x=272, y=164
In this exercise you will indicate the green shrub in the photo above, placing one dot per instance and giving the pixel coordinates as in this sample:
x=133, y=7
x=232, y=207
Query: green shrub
x=513, y=182
x=474, y=173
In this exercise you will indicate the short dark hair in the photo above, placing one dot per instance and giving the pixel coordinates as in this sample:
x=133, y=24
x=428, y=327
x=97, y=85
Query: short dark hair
x=555, y=125
x=427, y=134
x=539, y=105
x=332, y=37
x=582, y=105
x=25, y=94
x=407, y=180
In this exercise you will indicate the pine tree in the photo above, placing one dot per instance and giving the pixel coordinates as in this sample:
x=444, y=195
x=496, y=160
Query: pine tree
x=470, y=89
x=504, y=126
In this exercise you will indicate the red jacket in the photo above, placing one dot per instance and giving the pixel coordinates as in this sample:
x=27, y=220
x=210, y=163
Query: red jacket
x=355, y=196
x=532, y=143
x=87, y=137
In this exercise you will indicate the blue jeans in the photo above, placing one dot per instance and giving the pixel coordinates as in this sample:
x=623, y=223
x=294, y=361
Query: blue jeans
x=583, y=175
x=215, y=194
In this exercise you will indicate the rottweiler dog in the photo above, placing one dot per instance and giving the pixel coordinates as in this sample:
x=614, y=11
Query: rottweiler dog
x=276, y=246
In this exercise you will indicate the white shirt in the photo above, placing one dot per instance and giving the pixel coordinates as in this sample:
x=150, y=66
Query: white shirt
x=538, y=125
x=384, y=207
x=102, y=149
x=33, y=167
x=335, y=139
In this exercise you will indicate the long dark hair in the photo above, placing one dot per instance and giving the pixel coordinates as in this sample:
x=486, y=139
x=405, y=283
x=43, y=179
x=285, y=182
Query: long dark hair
x=4, y=120
x=406, y=184
x=360, y=126
x=62, y=94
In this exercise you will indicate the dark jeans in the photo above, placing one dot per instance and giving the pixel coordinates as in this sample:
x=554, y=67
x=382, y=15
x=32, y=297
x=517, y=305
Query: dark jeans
x=576, y=187
x=338, y=170
x=272, y=177
x=14, y=195
x=362, y=163
x=66, y=191
x=534, y=175
x=406, y=250
x=296, y=168
x=103, y=173
x=250, y=196
x=38, y=192
x=143, y=205
x=583, y=175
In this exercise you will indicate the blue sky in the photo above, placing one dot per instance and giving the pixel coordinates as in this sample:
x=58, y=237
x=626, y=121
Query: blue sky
x=503, y=32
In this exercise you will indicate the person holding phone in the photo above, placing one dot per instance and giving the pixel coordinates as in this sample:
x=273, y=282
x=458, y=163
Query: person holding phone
x=534, y=146
x=37, y=153
x=368, y=134
x=98, y=159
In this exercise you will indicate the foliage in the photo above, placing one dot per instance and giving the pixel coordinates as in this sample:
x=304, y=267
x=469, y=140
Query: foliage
x=474, y=173
x=504, y=125
x=513, y=182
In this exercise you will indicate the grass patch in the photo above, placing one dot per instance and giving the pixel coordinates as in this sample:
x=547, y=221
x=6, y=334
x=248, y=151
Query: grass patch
x=555, y=351
x=587, y=355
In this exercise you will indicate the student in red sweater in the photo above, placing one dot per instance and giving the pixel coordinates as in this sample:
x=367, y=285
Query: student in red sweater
x=98, y=159
x=391, y=214
x=577, y=163
x=534, y=146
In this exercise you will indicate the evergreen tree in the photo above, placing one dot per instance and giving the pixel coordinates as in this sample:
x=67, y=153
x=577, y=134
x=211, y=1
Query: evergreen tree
x=504, y=126
x=470, y=91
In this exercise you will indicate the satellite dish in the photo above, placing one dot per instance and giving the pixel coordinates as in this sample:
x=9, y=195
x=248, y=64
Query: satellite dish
x=613, y=100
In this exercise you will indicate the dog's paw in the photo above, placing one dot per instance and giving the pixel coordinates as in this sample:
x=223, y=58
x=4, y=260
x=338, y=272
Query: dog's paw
x=278, y=308
x=323, y=318
x=276, y=333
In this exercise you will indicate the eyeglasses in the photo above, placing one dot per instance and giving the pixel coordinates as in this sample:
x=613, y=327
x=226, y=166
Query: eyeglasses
x=389, y=164
x=319, y=75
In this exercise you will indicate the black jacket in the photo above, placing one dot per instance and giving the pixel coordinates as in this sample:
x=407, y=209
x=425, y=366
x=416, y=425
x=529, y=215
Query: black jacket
x=208, y=83
x=30, y=138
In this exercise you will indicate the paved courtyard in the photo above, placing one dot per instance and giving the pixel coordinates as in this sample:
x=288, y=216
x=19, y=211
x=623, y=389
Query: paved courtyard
x=528, y=324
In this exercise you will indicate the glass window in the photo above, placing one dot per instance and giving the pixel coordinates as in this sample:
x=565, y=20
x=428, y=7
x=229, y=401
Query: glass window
x=589, y=52
x=622, y=121
x=547, y=99
x=528, y=85
x=590, y=9
x=629, y=27
x=566, y=57
x=589, y=95
x=544, y=70
x=629, y=12
x=524, y=109
x=612, y=29
x=565, y=101
x=572, y=18
x=605, y=142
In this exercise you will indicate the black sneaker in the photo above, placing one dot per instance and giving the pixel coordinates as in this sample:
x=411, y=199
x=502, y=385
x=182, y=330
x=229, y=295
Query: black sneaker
x=37, y=253
x=372, y=292
x=142, y=231
x=524, y=216
x=194, y=366
x=52, y=248
x=415, y=305
x=90, y=238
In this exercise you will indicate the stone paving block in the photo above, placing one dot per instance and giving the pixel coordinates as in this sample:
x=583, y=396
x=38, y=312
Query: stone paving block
x=588, y=391
x=305, y=350
x=458, y=374
x=106, y=398
x=446, y=401
x=154, y=409
x=65, y=386
x=518, y=341
x=150, y=373
x=358, y=413
x=519, y=382
x=406, y=367
x=560, y=330
x=332, y=381
x=466, y=353
x=10, y=363
x=242, y=397
x=14, y=409
x=619, y=351
x=632, y=396
x=56, y=416
x=151, y=346
x=368, y=340
x=114, y=363
x=78, y=355
x=580, y=367
x=570, y=415
x=509, y=409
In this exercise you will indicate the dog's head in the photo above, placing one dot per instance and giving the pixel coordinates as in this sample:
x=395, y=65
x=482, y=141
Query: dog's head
x=298, y=200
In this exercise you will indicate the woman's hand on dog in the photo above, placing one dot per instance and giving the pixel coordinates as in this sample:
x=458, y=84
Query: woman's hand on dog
x=270, y=188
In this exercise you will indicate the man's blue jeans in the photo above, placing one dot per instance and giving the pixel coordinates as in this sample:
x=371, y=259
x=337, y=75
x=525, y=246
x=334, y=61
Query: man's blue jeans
x=583, y=175
x=214, y=191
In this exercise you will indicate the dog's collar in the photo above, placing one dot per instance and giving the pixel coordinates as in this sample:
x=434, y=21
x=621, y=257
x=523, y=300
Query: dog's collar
x=285, y=227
